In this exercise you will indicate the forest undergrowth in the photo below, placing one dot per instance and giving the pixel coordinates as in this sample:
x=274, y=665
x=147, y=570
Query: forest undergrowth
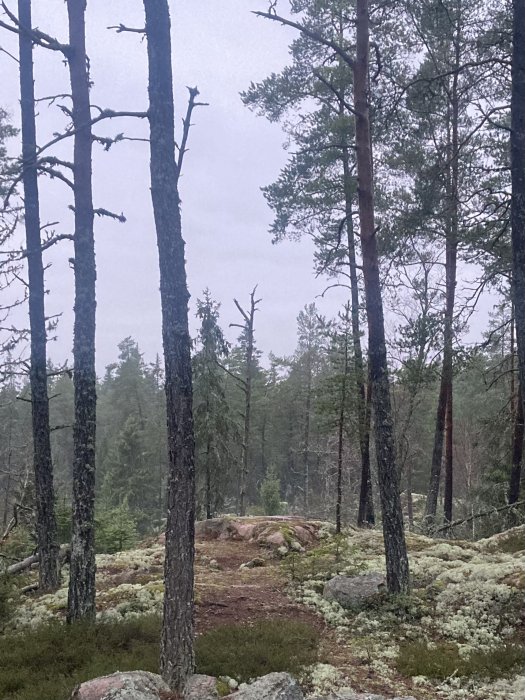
x=459, y=634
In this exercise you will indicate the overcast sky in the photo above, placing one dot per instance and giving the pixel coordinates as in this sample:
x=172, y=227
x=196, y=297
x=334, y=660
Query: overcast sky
x=220, y=47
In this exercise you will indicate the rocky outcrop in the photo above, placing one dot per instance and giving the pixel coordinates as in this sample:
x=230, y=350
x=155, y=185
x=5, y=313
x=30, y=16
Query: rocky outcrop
x=350, y=695
x=277, y=533
x=134, y=685
x=140, y=685
x=351, y=591
x=274, y=686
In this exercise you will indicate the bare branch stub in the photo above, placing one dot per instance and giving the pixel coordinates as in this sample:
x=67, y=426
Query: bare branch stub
x=194, y=92
x=121, y=28
x=110, y=214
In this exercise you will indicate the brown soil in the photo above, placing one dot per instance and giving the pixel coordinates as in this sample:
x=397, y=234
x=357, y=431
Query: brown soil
x=230, y=595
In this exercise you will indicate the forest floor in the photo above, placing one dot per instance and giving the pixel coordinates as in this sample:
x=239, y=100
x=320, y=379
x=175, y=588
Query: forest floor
x=459, y=636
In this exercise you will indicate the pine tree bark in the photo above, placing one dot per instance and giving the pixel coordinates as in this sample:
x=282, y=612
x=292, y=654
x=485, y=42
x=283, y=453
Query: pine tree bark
x=517, y=152
x=365, y=516
x=48, y=549
x=393, y=529
x=340, y=442
x=81, y=601
x=177, y=655
x=517, y=450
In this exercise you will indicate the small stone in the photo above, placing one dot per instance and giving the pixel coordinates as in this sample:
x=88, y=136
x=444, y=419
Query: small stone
x=273, y=686
x=201, y=687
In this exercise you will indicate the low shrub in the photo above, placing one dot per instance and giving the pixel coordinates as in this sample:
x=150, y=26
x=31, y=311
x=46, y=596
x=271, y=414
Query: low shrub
x=244, y=652
x=336, y=556
x=442, y=660
x=49, y=661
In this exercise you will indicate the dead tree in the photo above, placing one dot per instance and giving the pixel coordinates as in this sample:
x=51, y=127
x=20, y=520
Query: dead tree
x=393, y=528
x=176, y=655
x=81, y=601
x=49, y=576
x=248, y=341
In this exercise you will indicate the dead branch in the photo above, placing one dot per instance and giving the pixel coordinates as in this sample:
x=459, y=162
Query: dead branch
x=311, y=34
x=120, y=28
x=509, y=506
x=37, y=36
x=186, y=122
x=110, y=214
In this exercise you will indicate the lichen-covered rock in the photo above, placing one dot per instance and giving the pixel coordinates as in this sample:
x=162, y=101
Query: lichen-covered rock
x=350, y=591
x=253, y=563
x=200, y=687
x=134, y=685
x=274, y=686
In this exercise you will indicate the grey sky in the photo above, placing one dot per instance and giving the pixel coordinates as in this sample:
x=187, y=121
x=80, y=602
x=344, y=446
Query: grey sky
x=220, y=47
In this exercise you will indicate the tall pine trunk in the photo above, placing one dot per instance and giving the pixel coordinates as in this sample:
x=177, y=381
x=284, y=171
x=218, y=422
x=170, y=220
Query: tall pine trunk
x=444, y=417
x=517, y=151
x=393, y=530
x=49, y=574
x=340, y=441
x=517, y=449
x=365, y=514
x=81, y=602
x=176, y=655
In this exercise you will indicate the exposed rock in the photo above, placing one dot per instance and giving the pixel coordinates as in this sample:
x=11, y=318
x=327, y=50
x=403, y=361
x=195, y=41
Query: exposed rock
x=274, y=686
x=274, y=539
x=200, y=687
x=268, y=531
x=350, y=695
x=134, y=685
x=349, y=591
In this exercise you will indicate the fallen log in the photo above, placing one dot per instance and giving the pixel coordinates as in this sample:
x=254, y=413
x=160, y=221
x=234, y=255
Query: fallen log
x=28, y=562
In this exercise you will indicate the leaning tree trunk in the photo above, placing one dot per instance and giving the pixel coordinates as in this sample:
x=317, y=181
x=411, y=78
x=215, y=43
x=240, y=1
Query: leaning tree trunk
x=517, y=152
x=81, y=602
x=49, y=574
x=176, y=655
x=393, y=530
